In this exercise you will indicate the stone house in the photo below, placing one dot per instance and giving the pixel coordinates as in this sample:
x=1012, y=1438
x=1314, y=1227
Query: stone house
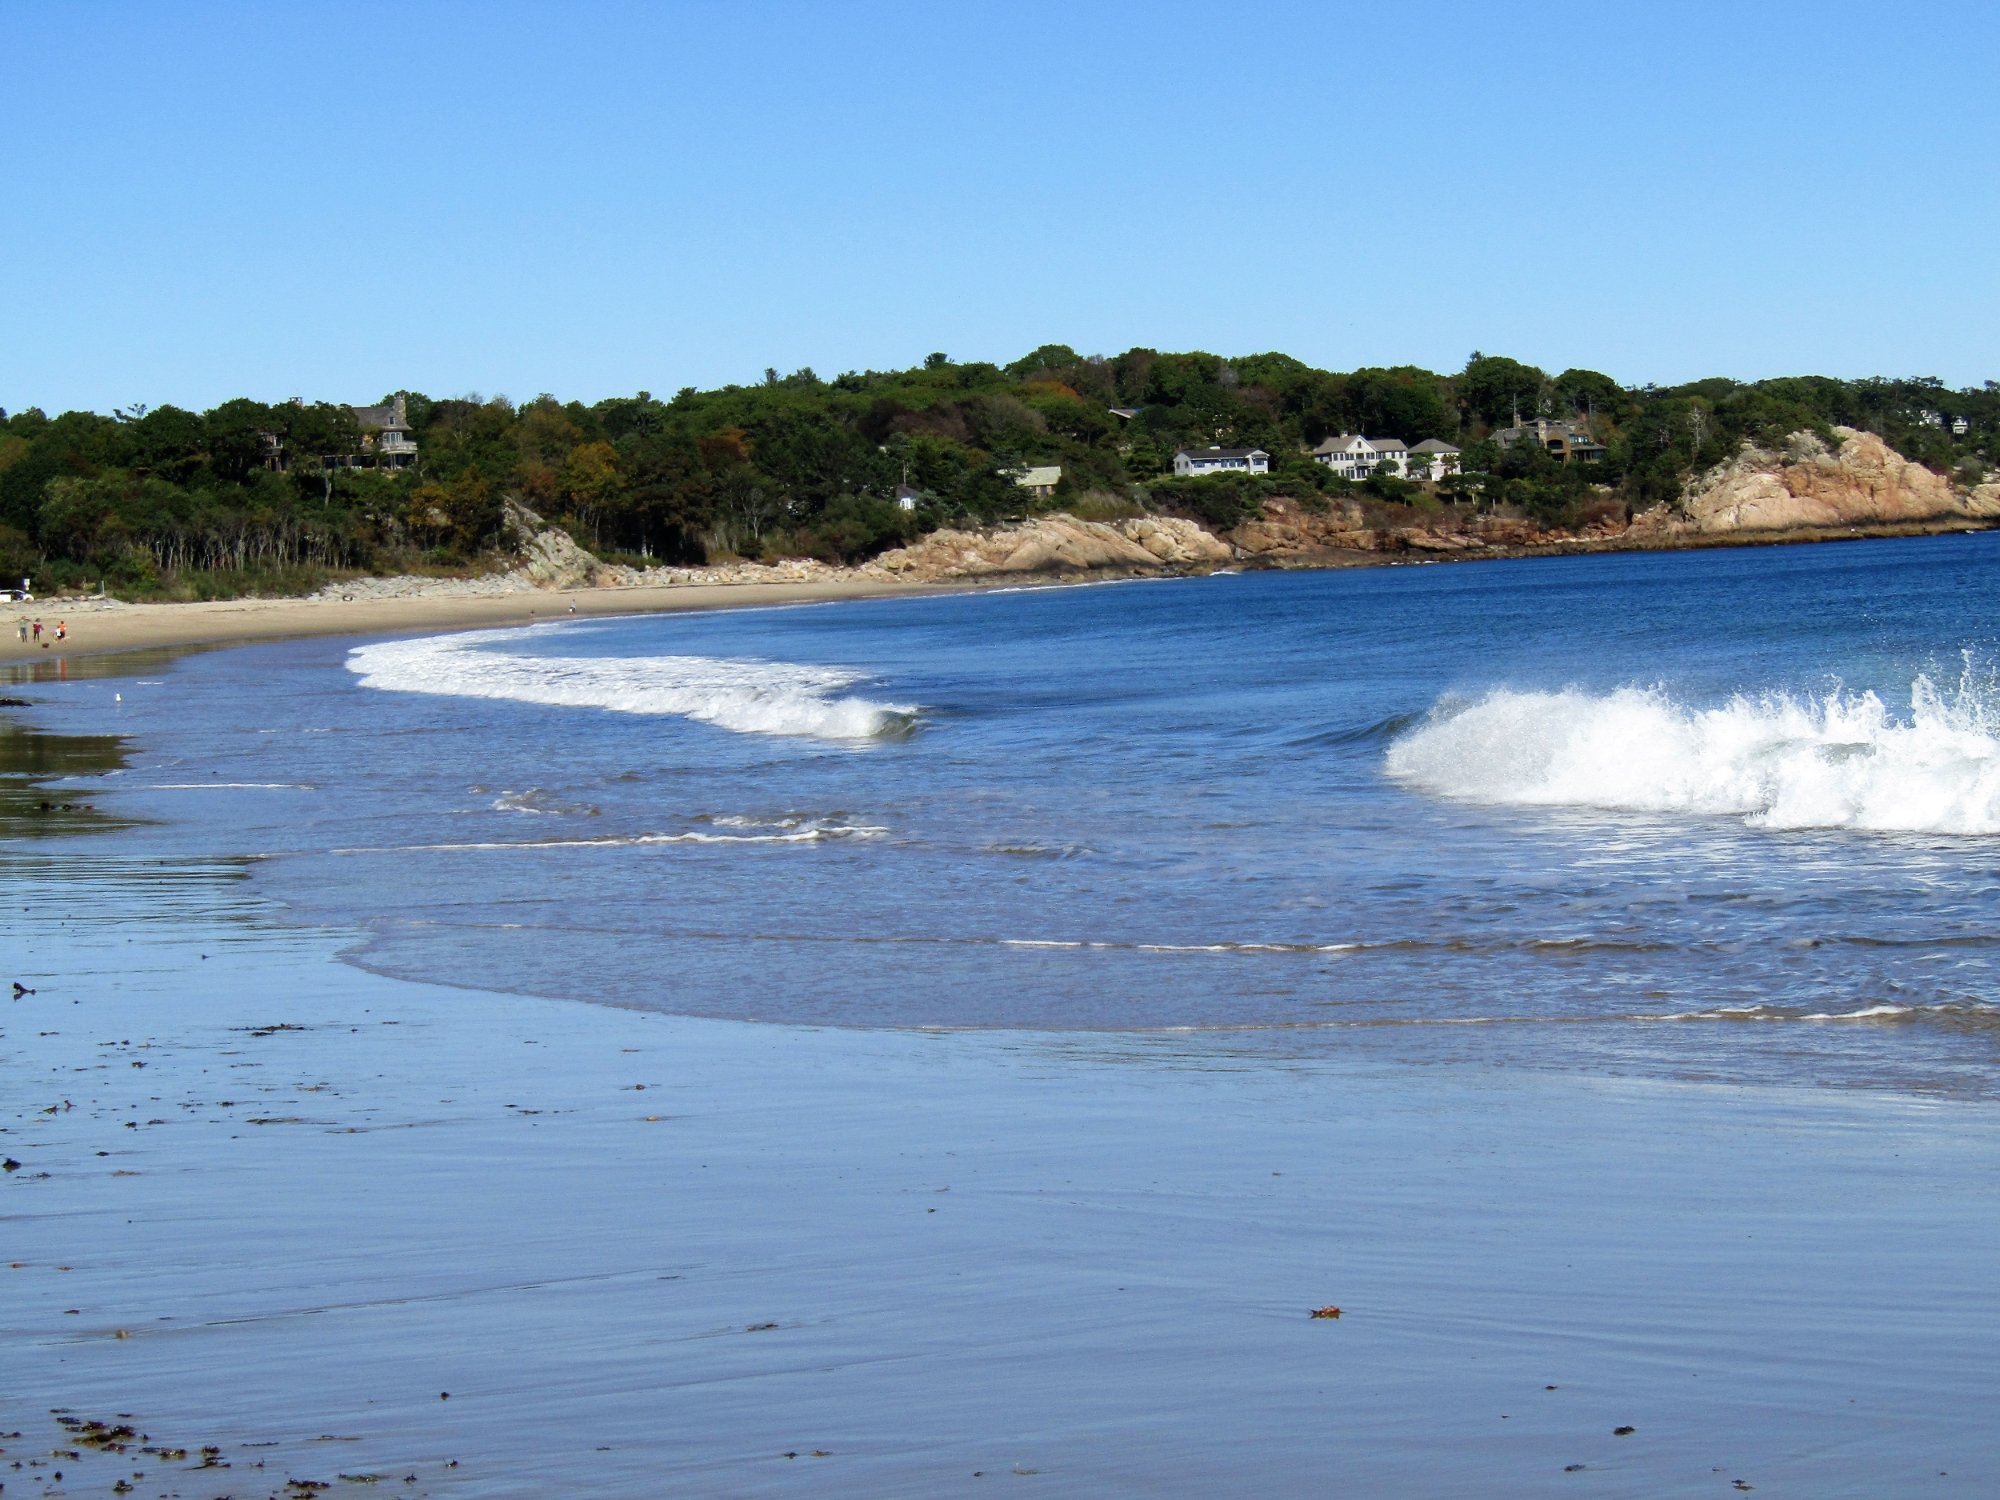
x=385, y=437
x=1569, y=441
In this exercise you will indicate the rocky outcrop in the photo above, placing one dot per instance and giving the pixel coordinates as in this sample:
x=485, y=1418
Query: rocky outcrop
x=551, y=560
x=1423, y=539
x=1178, y=542
x=1055, y=544
x=1859, y=481
x=1284, y=529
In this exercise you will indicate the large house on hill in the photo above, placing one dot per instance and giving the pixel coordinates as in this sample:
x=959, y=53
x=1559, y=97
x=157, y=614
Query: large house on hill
x=1569, y=441
x=385, y=437
x=385, y=442
x=1434, y=459
x=1354, y=457
x=1198, y=461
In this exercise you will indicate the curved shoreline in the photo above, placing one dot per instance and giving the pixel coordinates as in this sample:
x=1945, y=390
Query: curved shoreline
x=99, y=626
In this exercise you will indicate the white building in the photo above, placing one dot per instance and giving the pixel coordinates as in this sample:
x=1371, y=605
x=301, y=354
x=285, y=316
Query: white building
x=1040, y=482
x=907, y=498
x=1433, y=460
x=1354, y=457
x=1199, y=461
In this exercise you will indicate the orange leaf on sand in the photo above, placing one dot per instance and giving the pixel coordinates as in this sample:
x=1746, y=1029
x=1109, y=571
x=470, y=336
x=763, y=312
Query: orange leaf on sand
x=1326, y=1312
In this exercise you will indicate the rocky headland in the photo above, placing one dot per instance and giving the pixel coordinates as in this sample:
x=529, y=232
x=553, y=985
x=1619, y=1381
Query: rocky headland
x=1809, y=484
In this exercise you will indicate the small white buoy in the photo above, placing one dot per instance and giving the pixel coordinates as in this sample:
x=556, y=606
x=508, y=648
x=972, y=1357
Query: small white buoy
x=117, y=697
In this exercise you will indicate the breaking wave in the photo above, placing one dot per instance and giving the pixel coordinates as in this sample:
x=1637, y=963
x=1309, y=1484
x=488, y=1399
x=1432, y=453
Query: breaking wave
x=750, y=697
x=1781, y=761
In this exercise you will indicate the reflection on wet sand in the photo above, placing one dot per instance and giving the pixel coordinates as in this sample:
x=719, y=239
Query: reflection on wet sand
x=33, y=766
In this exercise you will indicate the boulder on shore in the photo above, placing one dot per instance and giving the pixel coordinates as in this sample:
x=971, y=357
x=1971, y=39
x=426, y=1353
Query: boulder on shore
x=551, y=560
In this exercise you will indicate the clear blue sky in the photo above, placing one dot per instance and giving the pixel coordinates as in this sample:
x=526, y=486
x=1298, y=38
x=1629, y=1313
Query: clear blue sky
x=201, y=201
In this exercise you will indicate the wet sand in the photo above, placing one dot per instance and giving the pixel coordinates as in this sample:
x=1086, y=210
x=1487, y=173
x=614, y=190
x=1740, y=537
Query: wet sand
x=284, y=1202
x=446, y=1242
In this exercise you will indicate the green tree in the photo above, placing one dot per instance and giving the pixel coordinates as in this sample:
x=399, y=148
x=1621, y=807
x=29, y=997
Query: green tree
x=1493, y=389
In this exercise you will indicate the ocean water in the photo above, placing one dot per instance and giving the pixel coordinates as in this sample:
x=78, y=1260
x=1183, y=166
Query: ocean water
x=1720, y=815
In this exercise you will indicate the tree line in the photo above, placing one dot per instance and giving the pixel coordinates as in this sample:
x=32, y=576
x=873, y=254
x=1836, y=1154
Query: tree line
x=273, y=496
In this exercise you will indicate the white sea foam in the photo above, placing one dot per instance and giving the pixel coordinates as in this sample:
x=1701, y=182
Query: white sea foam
x=813, y=834
x=1837, y=760
x=750, y=697
x=233, y=787
x=1961, y=1013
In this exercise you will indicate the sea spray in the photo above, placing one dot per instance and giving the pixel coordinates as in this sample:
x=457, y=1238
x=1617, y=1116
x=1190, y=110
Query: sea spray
x=1777, y=760
x=750, y=697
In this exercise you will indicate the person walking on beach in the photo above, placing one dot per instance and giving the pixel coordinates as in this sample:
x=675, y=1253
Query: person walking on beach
x=62, y=630
x=38, y=630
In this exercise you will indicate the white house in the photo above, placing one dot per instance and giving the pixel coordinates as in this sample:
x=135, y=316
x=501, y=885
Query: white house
x=907, y=498
x=1354, y=457
x=1199, y=461
x=1040, y=482
x=1393, y=451
x=1960, y=427
x=1433, y=460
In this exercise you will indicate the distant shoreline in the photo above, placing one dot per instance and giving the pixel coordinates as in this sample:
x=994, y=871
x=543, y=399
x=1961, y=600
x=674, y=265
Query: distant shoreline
x=97, y=626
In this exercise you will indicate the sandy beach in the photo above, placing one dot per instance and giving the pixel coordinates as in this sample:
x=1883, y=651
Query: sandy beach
x=97, y=626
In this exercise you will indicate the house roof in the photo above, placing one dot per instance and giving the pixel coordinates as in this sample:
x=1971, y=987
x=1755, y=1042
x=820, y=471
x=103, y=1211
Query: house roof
x=1346, y=442
x=1212, y=454
x=1545, y=425
x=1045, y=474
x=1127, y=412
x=1432, y=445
x=388, y=415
